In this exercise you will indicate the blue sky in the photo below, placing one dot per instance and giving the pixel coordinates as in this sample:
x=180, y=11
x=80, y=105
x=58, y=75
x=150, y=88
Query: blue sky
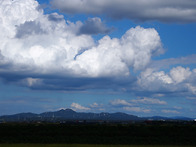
x=98, y=56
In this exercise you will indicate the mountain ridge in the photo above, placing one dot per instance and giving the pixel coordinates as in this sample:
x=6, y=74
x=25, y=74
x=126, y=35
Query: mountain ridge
x=69, y=114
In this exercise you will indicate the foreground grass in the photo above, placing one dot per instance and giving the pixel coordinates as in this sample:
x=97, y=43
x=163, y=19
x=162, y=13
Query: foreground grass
x=80, y=145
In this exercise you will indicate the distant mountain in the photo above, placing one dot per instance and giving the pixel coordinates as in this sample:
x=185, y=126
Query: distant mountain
x=19, y=117
x=157, y=118
x=70, y=115
x=182, y=118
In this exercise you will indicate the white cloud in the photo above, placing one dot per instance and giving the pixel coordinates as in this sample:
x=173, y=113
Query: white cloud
x=46, y=50
x=178, y=79
x=191, y=88
x=146, y=100
x=94, y=105
x=46, y=44
x=137, y=109
x=93, y=26
x=120, y=102
x=113, y=57
x=76, y=106
x=152, y=80
x=32, y=81
x=29, y=28
x=170, y=111
x=158, y=95
x=139, y=10
x=27, y=48
x=97, y=107
x=177, y=107
x=179, y=74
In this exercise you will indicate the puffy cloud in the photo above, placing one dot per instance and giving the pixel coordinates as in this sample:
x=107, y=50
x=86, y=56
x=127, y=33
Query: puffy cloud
x=115, y=56
x=178, y=108
x=44, y=51
x=97, y=107
x=28, y=28
x=192, y=88
x=136, y=105
x=77, y=106
x=120, y=102
x=55, y=17
x=25, y=46
x=139, y=10
x=146, y=100
x=178, y=79
x=153, y=80
x=94, y=105
x=34, y=45
x=93, y=26
x=180, y=74
x=136, y=109
x=32, y=81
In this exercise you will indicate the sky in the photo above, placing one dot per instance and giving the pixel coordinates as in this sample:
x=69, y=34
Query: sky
x=132, y=56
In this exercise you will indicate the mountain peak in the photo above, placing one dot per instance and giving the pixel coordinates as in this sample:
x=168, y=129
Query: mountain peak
x=69, y=114
x=66, y=110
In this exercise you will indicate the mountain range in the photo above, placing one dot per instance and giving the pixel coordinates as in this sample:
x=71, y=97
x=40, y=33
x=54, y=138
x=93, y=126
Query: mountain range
x=70, y=115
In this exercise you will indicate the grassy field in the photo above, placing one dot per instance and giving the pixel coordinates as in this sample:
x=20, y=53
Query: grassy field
x=78, y=145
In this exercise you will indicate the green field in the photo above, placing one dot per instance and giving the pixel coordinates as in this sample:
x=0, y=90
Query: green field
x=78, y=145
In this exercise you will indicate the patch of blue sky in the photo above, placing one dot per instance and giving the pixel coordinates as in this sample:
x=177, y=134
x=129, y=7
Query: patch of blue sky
x=178, y=40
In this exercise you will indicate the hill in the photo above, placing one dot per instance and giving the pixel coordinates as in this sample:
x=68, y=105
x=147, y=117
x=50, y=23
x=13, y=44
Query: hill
x=70, y=115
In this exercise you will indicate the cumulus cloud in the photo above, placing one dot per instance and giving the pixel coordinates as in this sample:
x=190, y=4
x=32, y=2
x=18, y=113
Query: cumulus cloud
x=46, y=50
x=136, y=105
x=120, y=102
x=76, y=106
x=97, y=107
x=192, y=88
x=136, y=109
x=25, y=46
x=94, y=26
x=152, y=79
x=139, y=10
x=55, y=17
x=179, y=74
x=146, y=100
x=114, y=56
x=28, y=28
x=178, y=79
